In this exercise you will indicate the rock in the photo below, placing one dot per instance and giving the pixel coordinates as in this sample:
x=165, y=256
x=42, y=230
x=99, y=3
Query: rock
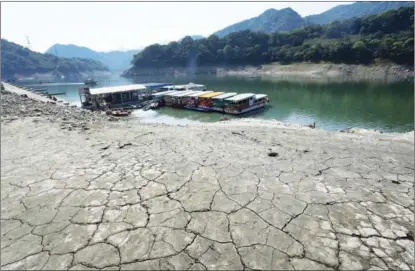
x=272, y=154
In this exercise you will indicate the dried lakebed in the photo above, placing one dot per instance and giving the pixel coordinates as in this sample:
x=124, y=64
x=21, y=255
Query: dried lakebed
x=117, y=195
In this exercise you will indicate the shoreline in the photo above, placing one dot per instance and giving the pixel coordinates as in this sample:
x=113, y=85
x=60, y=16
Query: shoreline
x=326, y=72
x=381, y=72
x=41, y=101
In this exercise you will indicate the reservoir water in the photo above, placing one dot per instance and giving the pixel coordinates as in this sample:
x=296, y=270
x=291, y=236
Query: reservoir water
x=388, y=107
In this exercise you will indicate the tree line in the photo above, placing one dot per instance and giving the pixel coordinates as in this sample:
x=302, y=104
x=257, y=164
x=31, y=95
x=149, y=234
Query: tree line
x=16, y=59
x=386, y=36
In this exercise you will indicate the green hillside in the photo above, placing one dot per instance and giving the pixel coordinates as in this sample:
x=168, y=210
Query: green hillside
x=287, y=19
x=270, y=21
x=16, y=59
x=388, y=36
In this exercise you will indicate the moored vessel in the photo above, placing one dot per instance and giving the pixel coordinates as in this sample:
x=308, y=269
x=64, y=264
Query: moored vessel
x=244, y=103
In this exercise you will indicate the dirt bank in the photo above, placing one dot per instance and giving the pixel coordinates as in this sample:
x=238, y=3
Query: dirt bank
x=338, y=72
x=230, y=195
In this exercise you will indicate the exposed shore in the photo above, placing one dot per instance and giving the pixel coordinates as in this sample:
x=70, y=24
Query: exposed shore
x=296, y=71
x=335, y=72
x=243, y=194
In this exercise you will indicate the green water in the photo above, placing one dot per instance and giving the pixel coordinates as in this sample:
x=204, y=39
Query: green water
x=333, y=106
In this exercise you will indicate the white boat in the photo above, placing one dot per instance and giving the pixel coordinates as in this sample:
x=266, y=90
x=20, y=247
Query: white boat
x=244, y=103
x=190, y=86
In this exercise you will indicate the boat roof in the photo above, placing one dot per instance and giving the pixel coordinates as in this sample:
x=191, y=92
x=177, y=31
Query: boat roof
x=188, y=85
x=164, y=93
x=259, y=96
x=225, y=95
x=240, y=97
x=157, y=84
x=183, y=93
x=197, y=93
x=210, y=95
x=116, y=89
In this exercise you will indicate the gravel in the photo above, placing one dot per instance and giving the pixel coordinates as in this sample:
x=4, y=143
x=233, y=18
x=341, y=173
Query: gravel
x=14, y=106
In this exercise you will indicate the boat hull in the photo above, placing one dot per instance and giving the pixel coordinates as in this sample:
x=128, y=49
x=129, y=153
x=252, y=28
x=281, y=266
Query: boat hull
x=197, y=108
x=217, y=109
x=244, y=110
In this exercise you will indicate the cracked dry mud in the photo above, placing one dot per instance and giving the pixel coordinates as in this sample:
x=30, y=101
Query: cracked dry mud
x=162, y=197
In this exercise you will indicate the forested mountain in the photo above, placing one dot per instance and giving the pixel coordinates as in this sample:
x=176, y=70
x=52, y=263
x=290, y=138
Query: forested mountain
x=388, y=36
x=114, y=60
x=358, y=9
x=287, y=19
x=270, y=21
x=16, y=59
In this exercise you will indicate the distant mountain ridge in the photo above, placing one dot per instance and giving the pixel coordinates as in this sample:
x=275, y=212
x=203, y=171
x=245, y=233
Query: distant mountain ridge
x=358, y=9
x=114, y=60
x=287, y=19
x=17, y=60
x=269, y=21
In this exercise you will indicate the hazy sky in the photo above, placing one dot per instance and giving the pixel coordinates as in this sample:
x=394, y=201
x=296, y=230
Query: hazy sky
x=105, y=26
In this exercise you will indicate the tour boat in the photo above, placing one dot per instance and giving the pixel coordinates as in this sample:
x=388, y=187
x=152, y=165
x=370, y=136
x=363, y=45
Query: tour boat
x=177, y=100
x=205, y=101
x=187, y=87
x=159, y=97
x=218, y=102
x=190, y=101
x=90, y=82
x=245, y=102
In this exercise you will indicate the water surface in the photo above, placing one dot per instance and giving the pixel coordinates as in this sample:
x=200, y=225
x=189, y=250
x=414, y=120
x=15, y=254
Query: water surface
x=388, y=107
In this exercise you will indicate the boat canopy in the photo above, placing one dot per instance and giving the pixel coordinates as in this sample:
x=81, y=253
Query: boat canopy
x=224, y=96
x=117, y=89
x=164, y=93
x=183, y=93
x=210, y=95
x=199, y=93
x=260, y=96
x=240, y=97
x=157, y=85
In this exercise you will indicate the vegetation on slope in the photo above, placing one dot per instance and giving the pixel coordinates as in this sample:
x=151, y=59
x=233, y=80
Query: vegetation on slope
x=114, y=60
x=287, y=19
x=271, y=20
x=16, y=59
x=387, y=36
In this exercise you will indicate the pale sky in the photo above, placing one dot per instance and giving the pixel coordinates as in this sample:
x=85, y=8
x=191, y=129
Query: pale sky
x=105, y=26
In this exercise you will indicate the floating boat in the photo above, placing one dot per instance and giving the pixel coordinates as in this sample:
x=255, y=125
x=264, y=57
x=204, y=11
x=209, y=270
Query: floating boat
x=246, y=102
x=176, y=99
x=118, y=113
x=38, y=90
x=190, y=86
x=159, y=97
x=218, y=102
x=205, y=101
x=191, y=100
x=90, y=82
